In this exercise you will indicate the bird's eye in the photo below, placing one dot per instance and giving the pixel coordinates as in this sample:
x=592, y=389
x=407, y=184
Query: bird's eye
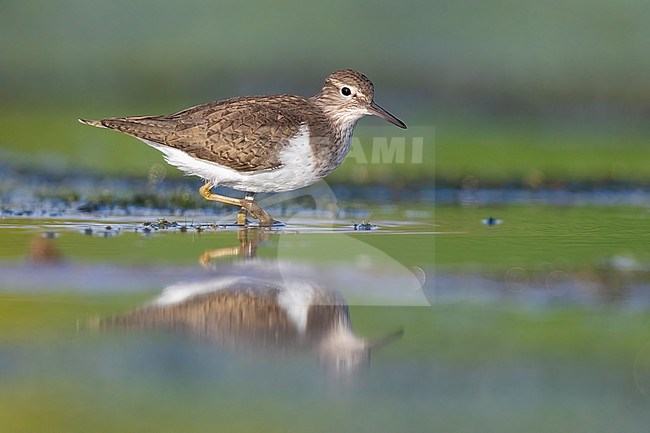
x=345, y=91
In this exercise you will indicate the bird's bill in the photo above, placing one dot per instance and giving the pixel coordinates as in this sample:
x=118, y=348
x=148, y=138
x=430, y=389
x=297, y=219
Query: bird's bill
x=376, y=110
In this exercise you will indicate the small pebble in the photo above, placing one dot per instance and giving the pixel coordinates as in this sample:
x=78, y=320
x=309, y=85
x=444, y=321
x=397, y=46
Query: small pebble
x=491, y=221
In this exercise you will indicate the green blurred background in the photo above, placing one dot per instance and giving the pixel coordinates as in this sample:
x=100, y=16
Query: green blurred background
x=528, y=92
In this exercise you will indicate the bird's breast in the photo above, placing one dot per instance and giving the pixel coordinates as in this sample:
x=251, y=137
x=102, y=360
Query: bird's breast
x=330, y=149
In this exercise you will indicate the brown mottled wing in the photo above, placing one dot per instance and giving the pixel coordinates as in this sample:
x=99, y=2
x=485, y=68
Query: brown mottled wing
x=245, y=134
x=239, y=314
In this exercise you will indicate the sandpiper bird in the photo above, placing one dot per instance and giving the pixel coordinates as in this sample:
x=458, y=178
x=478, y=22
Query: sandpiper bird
x=258, y=144
x=247, y=314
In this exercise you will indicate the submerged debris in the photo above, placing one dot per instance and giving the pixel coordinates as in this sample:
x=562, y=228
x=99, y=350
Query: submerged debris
x=103, y=232
x=164, y=224
x=161, y=224
x=491, y=221
x=365, y=225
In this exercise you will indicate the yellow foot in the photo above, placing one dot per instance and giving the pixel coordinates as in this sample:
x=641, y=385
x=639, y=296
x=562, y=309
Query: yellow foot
x=257, y=212
x=247, y=204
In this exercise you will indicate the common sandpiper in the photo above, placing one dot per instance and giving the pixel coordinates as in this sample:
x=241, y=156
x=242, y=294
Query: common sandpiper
x=258, y=144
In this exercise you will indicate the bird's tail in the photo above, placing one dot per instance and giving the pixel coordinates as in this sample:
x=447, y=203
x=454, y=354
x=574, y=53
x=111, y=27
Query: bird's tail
x=150, y=128
x=97, y=123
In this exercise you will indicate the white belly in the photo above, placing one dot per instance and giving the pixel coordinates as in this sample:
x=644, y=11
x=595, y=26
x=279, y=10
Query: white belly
x=298, y=168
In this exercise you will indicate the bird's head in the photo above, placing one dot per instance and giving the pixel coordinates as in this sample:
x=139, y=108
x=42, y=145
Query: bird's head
x=347, y=96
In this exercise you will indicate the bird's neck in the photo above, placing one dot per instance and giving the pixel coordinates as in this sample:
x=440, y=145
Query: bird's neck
x=342, y=120
x=344, y=135
x=341, y=125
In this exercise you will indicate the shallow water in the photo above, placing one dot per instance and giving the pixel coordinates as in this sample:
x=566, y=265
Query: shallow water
x=433, y=320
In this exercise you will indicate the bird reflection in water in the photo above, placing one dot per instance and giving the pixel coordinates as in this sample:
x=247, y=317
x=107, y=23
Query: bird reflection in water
x=252, y=314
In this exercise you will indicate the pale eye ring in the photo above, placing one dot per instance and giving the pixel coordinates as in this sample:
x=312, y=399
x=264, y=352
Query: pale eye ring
x=345, y=91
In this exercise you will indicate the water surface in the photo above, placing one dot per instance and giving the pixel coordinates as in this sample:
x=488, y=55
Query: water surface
x=432, y=320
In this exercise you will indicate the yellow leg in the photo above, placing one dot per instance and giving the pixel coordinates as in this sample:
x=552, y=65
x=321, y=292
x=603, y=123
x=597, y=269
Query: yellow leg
x=208, y=256
x=248, y=204
x=242, y=219
x=249, y=238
